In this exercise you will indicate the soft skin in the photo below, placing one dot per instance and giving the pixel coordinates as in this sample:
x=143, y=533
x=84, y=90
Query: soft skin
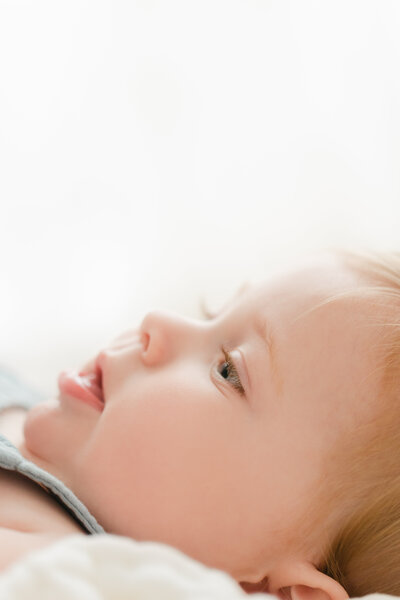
x=182, y=457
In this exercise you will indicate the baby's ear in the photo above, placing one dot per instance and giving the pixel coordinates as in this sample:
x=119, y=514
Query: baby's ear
x=329, y=590
x=311, y=584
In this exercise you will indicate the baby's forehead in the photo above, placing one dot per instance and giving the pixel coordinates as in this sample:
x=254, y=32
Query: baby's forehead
x=317, y=278
x=322, y=290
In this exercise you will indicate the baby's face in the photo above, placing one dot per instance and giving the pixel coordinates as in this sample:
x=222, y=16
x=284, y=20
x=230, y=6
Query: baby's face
x=216, y=459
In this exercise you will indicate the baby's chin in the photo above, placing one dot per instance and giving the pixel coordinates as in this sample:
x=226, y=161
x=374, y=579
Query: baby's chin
x=34, y=429
x=39, y=413
x=54, y=434
x=44, y=435
x=44, y=406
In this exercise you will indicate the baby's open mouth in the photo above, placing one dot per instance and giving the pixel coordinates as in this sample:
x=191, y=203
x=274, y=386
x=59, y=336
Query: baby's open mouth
x=93, y=381
x=94, y=384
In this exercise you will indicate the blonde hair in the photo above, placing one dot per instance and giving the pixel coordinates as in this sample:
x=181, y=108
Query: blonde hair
x=360, y=487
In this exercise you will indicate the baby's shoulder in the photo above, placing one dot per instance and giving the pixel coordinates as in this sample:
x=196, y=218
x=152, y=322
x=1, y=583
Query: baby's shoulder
x=25, y=506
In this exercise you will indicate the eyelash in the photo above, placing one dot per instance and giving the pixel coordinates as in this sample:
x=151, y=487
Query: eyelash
x=237, y=385
x=230, y=365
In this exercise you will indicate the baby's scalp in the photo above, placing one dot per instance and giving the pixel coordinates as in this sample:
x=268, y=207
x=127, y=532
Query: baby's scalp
x=361, y=483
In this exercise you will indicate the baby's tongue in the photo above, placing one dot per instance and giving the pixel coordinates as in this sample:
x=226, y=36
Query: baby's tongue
x=92, y=383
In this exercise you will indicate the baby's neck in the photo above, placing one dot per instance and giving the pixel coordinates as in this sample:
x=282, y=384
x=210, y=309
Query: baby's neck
x=25, y=506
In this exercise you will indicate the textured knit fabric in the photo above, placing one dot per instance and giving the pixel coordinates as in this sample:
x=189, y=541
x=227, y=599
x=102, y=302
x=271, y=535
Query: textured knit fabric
x=15, y=393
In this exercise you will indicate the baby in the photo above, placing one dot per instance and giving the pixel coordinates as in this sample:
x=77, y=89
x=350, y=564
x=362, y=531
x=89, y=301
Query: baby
x=252, y=441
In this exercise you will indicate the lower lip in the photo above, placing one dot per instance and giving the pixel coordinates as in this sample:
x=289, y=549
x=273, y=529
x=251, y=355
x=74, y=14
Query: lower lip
x=70, y=383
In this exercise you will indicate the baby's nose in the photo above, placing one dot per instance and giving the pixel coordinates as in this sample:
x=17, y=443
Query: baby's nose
x=164, y=334
x=155, y=334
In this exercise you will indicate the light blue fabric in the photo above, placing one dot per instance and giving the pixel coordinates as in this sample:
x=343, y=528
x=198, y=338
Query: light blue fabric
x=15, y=393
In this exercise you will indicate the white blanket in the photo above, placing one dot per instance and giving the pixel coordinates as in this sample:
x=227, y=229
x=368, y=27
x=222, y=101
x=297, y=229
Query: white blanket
x=110, y=567
x=116, y=568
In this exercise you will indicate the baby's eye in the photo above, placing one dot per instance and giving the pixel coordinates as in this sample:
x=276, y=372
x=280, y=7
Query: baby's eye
x=228, y=371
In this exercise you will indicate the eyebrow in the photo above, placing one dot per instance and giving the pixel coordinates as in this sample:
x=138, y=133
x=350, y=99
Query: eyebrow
x=264, y=330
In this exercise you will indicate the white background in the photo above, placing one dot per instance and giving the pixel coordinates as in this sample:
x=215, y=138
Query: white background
x=155, y=151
